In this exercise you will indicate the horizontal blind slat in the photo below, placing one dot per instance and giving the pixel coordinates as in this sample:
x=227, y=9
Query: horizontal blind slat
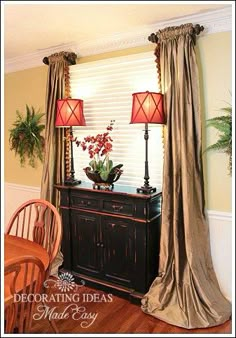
x=106, y=86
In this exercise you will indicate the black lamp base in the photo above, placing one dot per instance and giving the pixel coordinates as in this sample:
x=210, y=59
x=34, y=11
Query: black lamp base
x=146, y=190
x=72, y=181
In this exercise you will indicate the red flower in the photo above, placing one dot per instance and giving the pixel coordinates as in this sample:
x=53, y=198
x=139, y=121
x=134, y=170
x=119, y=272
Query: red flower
x=98, y=145
x=99, y=148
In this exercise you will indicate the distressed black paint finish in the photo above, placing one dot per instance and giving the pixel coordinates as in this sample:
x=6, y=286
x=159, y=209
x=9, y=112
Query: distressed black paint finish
x=111, y=238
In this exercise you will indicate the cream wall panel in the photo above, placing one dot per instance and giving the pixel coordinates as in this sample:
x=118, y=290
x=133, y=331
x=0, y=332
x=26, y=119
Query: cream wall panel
x=221, y=241
x=15, y=195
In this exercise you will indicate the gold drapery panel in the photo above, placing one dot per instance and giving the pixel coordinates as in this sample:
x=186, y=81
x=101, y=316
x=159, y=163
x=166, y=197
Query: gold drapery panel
x=54, y=165
x=186, y=291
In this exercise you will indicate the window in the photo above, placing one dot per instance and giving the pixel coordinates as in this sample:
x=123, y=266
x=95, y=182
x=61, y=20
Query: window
x=106, y=87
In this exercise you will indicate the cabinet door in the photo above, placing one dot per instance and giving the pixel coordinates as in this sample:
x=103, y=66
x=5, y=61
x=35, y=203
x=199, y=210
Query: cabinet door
x=85, y=238
x=118, y=249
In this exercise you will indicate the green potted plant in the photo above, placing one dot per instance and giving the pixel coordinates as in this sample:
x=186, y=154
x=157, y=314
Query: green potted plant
x=223, y=124
x=25, y=137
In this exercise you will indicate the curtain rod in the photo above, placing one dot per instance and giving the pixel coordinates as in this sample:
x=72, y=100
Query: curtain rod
x=197, y=29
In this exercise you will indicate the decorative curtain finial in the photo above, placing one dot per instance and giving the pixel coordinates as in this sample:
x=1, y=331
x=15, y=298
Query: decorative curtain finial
x=69, y=57
x=195, y=30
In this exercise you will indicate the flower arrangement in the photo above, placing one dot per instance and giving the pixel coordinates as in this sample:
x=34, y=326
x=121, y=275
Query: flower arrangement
x=99, y=148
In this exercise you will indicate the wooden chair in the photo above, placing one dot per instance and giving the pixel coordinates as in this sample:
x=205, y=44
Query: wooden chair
x=39, y=221
x=23, y=276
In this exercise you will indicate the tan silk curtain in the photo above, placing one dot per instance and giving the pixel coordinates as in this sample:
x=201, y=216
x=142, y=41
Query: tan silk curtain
x=186, y=292
x=53, y=169
x=54, y=166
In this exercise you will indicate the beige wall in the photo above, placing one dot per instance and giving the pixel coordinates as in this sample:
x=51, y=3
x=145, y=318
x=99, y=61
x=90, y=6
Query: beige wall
x=28, y=87
x=216, y=85
x=21, y=88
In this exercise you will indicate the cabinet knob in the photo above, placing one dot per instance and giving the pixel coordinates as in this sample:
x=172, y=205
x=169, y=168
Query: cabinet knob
x=102, y=245
x=85, y=203
x=117, y=207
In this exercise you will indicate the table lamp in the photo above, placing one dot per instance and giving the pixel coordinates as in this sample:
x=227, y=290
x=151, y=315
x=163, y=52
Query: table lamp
x=147, y=108
x=69, y=114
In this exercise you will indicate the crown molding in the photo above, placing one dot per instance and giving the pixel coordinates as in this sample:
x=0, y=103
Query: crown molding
x=213, y=22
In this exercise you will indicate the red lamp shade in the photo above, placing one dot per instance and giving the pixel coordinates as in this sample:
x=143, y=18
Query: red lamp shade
x=70, y=113
x=147, y=108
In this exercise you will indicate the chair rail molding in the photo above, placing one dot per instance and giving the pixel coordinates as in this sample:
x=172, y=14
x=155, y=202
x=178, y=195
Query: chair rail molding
x=220, y=228
x=213, y=22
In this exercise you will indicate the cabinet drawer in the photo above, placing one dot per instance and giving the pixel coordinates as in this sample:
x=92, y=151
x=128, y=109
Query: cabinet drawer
x=84, y=201
x=120, y=207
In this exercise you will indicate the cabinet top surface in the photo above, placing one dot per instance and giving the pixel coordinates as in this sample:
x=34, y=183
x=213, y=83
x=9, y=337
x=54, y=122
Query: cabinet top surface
x=117, y=189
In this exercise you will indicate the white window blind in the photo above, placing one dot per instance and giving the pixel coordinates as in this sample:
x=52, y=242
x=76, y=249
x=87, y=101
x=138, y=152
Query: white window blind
x=106, y=87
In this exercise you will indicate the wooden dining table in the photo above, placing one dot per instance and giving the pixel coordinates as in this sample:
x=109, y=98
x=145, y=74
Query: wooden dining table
x=16, y=247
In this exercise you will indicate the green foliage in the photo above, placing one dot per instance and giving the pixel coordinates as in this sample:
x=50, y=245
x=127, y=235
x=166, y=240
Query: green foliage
x=224, y=126
x=104, y=168
x=25, y=138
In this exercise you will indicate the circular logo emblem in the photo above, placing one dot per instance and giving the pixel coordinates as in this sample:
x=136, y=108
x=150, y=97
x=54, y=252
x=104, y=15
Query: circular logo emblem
x=65, y=282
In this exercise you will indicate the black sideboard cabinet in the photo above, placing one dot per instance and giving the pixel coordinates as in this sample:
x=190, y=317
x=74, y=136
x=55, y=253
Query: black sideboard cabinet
x=111, y=238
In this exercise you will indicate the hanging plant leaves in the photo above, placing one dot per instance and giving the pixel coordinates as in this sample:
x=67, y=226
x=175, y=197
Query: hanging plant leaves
x=25, y=137
x=224, y=126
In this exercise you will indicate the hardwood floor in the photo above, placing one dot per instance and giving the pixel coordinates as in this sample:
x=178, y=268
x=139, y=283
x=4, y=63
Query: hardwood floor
x=107, y=315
